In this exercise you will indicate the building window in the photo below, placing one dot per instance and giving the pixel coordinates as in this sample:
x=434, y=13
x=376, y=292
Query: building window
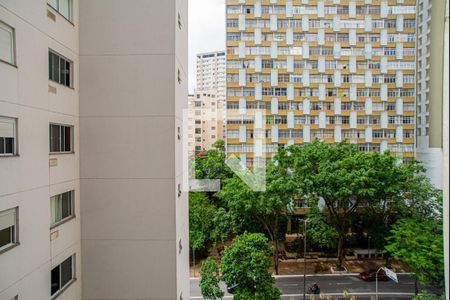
x=60, y=138
x=62, y=275
x=59, y=69
x=8, y=229
x=7, y=53
x=61, y=207
x=8, y=134
x=64, y=7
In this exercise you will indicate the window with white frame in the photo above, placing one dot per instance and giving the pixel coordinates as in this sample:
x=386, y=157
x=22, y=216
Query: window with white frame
x=64, y=7
x=60, y=69
x=8, y=136
x=61, y=207
x=8, y=229
x=7, y=43
x=61, y=138
x=62, y=275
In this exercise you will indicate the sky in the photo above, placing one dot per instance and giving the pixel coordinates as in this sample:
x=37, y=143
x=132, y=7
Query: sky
x=206, y=31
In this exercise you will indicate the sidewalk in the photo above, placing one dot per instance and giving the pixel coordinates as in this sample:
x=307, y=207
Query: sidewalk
x=295, y=267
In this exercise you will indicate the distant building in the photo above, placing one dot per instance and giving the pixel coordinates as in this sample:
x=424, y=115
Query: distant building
x=430, y=65
x=206, y=120
x=331, y=70
x=211, y=69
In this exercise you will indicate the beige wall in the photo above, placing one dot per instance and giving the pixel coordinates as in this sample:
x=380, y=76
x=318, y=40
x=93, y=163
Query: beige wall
x=436, y=72
x=210, y=113
x=27, y=181
x=130, y=109
x=446, y=93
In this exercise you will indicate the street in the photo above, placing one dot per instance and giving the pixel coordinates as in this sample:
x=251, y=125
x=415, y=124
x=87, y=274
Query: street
x=334, y=285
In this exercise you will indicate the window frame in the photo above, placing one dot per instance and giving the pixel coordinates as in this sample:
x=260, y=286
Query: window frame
x=61, y=289
x=56, y=223
x=13, y=44
x=15, y=138
x=15, y=237
x=72, y=129
x=70, y=16
x=50, y=72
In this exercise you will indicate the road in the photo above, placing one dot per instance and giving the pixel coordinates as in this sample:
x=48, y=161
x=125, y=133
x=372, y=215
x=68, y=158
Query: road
x=334, y=285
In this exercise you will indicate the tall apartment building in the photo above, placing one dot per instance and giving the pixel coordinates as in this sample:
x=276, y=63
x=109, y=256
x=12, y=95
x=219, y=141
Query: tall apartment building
x=40, y=252
x=205, y=120
x=430, y=64
x=445, y=163
x=331, y=70
x=91, y=100
x=211, y=69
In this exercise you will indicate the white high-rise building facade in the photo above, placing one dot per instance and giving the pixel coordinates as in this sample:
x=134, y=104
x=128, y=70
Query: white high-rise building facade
x=211, y=68
x=40, y=249
x=429, y=108
x=91, y=101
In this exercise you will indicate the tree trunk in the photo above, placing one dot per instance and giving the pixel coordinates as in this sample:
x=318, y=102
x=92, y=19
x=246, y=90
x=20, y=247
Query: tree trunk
x=275, y=255
x=340, y=254
x=275, y=240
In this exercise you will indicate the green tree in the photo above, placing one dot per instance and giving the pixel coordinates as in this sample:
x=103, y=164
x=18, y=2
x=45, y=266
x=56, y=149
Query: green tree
x=245, y=265
x=319, y=231
x=201, y=215
x=349, y=181
x=419, y=243
x=268, y=207
x=224, y=226
x=211, y=164
x=210, y=278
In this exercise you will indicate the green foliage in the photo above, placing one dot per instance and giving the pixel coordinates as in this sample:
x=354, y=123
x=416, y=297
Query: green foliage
x=207, y=223
x=210, y=278
x=319, y=231
x=211, y=164
x=201, y=215
x=268, y=207
x=224, y=227
x=345, y=179
x=246, y=263
x=419, y=243
x=428, y=296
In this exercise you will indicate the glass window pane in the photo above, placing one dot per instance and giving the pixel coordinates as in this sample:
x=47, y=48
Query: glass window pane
x=6, y=43
x=68, y=74
x=66, y=271
x=5, y=236
x=55, y=280
x=66, y=206
x=2, y=145
x=55, y=67
x=54, y=138
x=68, y=139
x=50, y=66
x=53, y=3
x=62, y=69
x=64, y=8
x=9, y=145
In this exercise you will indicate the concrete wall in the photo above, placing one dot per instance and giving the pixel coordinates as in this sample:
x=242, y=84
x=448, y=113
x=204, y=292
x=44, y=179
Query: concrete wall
x=26, y=180
x=446, y=93
x=130, y=107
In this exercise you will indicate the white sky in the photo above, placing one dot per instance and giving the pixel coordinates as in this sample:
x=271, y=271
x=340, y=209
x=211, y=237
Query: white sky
x=206, y=31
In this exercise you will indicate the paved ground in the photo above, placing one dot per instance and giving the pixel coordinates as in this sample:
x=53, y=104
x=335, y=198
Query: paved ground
x=334, y=286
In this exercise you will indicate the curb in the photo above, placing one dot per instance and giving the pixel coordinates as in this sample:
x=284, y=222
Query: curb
x=315, y=275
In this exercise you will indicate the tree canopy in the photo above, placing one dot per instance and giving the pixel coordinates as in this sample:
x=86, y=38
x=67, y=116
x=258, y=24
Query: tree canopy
x=350, y=181
x=244, y=267
x=419, y=243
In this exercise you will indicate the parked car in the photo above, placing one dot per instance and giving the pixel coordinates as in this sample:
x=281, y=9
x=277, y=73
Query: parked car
x=371, y=275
